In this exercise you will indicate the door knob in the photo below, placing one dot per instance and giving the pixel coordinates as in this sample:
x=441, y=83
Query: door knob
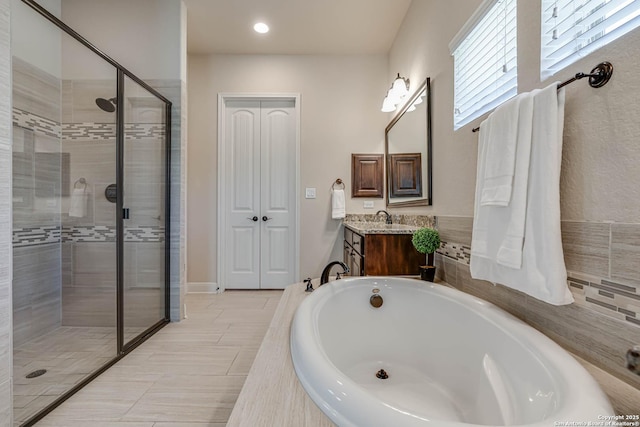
x=265, y=218
x=254, y=219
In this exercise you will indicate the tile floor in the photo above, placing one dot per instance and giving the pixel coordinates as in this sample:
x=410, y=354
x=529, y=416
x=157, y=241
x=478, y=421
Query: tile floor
x=68, y=354
x=187, y=375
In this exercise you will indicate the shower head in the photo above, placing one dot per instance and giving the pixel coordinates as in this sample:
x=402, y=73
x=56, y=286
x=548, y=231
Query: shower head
x=107, y=105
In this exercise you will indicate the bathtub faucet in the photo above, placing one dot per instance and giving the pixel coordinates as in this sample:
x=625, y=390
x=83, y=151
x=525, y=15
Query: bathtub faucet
x=325, y=273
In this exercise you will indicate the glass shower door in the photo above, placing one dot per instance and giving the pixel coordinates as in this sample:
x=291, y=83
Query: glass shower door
x=144, y=214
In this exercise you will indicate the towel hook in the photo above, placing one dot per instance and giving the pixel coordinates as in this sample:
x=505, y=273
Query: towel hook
x=82, y=182
x=338, y=182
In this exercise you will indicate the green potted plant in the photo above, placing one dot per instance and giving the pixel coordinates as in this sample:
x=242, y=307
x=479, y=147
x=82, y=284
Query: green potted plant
x=426, y=241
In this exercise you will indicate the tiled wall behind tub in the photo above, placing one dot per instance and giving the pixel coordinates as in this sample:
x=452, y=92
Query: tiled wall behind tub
x=37, y=177
x=602, y=263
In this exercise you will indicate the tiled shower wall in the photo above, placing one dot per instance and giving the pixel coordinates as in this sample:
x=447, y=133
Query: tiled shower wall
x=602, y=263
x=5, y=216
x=37, y=280
x=176, y=92
x=89, y=242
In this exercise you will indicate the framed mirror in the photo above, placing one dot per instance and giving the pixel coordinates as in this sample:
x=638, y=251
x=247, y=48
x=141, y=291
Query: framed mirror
x=408, y=151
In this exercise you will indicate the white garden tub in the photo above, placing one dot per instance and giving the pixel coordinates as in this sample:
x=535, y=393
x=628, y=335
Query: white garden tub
x=451, y=359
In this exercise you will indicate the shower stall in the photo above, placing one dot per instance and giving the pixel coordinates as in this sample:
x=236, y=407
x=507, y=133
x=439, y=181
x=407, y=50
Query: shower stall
x=90, y=211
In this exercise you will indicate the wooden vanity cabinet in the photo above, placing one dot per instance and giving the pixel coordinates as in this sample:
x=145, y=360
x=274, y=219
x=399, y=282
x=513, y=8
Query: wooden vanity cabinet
x=381, y=254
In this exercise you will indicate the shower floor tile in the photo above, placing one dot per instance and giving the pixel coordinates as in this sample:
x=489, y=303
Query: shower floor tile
x=189, y=374
x=69, y=354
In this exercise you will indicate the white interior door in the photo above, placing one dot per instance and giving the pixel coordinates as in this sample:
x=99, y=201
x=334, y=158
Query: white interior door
x=242, y=194
x=277, y=192
x=260, y=199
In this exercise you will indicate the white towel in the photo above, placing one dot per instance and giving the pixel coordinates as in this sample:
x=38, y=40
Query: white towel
x=511, y=216
x=338, y=203
x=542, y=273
x=78, y=206
x=501, y=136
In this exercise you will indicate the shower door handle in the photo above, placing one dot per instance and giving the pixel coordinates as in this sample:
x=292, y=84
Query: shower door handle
x=125, y=213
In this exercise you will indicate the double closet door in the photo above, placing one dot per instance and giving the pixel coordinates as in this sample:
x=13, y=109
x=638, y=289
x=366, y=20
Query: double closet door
x=260, y=194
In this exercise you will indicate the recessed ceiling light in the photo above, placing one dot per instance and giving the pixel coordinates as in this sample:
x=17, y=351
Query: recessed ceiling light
x=261, y=28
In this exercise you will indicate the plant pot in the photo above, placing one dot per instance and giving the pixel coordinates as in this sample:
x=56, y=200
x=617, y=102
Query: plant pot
x=427, y=272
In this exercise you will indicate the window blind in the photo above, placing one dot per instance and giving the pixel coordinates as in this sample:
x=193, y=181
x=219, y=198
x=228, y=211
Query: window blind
x=485, y=61
x=571, y=29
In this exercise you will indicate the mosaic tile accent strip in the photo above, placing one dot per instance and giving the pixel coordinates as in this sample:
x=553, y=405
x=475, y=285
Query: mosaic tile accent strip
x=621, y=301
x=455, y=251
x=413, y=220
x=613, y=299
x=92, y=131
x=89, y=233
x=107, y=131
x=144, y=130
x=36, y=123
x=33, y=236
x=103, y=233
x=144, y=234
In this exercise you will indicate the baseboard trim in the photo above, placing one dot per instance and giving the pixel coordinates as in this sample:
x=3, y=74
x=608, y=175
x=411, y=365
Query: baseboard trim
x=202, y=288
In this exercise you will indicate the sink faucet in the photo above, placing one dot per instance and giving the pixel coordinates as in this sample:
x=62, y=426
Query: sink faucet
x=324, y=278
x=387, y=214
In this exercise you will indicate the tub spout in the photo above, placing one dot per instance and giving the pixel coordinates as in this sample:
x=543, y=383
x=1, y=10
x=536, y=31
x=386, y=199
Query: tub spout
x=325, y=273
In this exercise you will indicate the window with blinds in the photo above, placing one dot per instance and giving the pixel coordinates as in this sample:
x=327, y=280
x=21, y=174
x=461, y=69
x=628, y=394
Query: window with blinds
x=571, y=29
x=485, y=62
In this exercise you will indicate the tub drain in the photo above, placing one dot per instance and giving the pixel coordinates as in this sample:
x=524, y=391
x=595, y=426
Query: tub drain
x=382, y=374
x=36, y=373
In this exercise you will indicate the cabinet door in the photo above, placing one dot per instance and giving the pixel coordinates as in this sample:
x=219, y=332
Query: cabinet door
x=346, y=256
x=356, y=264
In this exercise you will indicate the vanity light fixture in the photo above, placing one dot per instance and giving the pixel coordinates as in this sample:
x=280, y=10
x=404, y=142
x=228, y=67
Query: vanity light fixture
x=396, y=94
x=261, y=28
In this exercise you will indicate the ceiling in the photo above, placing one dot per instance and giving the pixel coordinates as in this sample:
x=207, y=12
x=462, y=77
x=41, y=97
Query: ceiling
x=297, y=26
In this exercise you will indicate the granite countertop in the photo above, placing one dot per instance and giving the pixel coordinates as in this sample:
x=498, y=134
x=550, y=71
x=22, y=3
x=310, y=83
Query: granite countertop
x=367, y=227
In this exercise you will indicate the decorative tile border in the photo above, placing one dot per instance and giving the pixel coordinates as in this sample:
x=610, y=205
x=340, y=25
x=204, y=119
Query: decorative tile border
x=455, y=251
x=620, y=301
x=107, y=131
x=38, y=124
x=89, y=233
x=616, y=300
x=93, y=131
x=32, y=236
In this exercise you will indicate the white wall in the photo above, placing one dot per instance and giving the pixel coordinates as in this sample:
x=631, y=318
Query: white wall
x=340, y=107
x=35, y=40
x=599, y=173
x=144, y=36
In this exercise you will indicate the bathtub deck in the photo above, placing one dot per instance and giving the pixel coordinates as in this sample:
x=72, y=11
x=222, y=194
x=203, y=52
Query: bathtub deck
x=272, y=394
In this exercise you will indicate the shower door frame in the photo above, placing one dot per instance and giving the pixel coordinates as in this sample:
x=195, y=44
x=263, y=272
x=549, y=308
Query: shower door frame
x=123, y=348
